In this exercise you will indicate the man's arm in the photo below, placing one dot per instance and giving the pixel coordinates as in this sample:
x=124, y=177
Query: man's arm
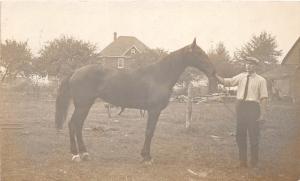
x=229, y=82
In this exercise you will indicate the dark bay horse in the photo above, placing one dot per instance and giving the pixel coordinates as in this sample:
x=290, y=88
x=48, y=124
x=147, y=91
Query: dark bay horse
x=142, y=112
x=108, y=107
x=148, y=88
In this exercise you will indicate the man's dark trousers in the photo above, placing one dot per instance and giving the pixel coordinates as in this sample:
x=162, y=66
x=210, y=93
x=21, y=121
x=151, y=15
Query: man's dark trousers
x=248, y=112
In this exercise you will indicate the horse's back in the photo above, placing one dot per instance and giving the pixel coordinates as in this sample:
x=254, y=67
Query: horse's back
x=85, y=81
x=91, y=72
x=133, y=89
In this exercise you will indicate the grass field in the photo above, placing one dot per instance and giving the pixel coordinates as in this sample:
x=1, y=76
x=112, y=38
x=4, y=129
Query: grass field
x=31, y=149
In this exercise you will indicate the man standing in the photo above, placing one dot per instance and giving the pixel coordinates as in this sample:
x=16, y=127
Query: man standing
x=251, y=106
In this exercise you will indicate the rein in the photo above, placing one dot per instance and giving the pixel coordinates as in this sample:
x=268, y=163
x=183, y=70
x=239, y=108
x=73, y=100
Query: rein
x=223, y=95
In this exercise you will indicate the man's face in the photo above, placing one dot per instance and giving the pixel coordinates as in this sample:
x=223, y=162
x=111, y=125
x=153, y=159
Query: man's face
x=250, y=67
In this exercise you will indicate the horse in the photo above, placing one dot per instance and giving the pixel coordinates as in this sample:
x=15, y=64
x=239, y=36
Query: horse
x=108, y=107
x=148, y=88
x=142, y=112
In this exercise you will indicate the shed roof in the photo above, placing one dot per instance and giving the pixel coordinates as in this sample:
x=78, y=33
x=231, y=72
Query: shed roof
x=296, y=44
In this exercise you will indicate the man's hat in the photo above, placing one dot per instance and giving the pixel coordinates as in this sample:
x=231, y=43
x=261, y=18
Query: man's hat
x=252, y=60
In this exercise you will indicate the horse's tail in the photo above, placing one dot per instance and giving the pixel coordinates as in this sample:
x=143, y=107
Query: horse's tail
x=62, y=102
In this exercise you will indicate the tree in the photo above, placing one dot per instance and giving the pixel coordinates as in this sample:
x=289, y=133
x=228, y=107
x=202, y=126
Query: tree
x=221, y=51
x=223, y=62
x=62, y=56
x=264, y=47
x=16, y=57
x=149, y=57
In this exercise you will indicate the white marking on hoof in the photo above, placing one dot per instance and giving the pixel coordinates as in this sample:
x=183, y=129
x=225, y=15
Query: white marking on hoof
x=76, y=158
x=85, y=156
x=148, y=162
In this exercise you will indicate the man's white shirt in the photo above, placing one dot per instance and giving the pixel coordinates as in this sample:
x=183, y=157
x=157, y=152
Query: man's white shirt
x=257, y=86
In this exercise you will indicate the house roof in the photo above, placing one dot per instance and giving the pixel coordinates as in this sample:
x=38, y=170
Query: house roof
x=280, y=72
x=121, y=45
x=290, y=51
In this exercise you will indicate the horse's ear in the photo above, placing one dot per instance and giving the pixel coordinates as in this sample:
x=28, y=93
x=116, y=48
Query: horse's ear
x=193, y=45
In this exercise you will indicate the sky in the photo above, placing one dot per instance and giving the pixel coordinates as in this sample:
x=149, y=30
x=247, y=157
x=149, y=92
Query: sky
x=159, y=24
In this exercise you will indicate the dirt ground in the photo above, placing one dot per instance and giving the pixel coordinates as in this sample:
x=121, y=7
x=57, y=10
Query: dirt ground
x=32, y=150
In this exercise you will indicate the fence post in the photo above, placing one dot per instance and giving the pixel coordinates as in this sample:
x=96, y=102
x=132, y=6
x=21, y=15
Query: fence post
x=189, y=106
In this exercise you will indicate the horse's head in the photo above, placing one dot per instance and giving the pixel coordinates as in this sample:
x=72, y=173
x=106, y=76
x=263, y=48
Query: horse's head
x=194, y=56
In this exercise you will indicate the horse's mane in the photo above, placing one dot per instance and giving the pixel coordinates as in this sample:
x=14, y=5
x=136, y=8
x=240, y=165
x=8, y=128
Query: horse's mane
x=166, y=61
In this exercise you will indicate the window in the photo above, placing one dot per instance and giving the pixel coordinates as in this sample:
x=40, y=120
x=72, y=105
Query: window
x=121, y=63
x=132, y=51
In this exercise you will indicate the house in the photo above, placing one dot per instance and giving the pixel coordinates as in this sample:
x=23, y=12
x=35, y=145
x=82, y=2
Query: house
x=119, y=53
x=282, y=79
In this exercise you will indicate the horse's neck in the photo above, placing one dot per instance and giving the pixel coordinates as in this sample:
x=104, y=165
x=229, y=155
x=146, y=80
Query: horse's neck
x=171, y=67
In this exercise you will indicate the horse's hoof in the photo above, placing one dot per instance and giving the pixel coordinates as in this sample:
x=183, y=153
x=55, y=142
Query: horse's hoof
x=76, y=158
x=148, y=162
x=85, y=156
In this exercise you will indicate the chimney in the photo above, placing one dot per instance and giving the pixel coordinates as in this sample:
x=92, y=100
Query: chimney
x=115, y=36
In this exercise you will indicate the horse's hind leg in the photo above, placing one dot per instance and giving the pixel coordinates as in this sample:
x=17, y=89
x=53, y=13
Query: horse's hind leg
x=73, y=146
x=151, y=125
x=75, y=125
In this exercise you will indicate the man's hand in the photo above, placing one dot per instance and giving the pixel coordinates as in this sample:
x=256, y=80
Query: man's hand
x=219, y=78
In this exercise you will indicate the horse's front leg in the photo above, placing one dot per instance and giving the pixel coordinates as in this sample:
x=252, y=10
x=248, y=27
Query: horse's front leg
x=151, y=125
